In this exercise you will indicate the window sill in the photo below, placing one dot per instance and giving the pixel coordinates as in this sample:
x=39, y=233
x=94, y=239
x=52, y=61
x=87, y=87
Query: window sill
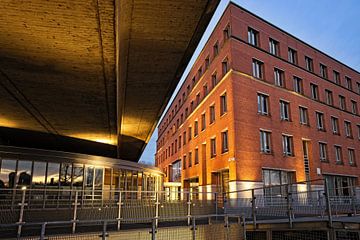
x=224, y=153
x=324, y=161
x=224, y=114
x=321, y=130
x=339, y=163
x=267, y=153
x=353, y=165
x=264, y=114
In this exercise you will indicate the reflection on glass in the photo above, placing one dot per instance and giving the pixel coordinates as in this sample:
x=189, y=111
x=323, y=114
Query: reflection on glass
x=7, y=173
x=24, y=172
x=89, y=177
x=53, y=174
x=65, y=174
x=78, y=175
x=98, y=178
x=39, y=173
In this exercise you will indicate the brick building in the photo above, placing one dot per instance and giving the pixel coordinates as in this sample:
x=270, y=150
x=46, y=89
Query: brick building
x=261, y=107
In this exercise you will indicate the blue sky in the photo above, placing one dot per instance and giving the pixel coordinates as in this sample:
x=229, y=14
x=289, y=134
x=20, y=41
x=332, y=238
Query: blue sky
x=332, y=26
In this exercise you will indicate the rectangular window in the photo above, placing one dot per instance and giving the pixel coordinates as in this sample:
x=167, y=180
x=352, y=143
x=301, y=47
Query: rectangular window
x=184, y=138
x=358, y=87
x=329, y=97
x=354, y=108
x=323, y=152
x=196, y=128
x=338, y=154
x=284, y=111
x=309, y=64
x=225, y=67
x=203, y=122
x=298, y=87
x=351, y=155
x=323, y=71
x=348, y=129
x=190, y=132
x=212, y=114
x=253, y=37
x=196, y=161
x=180, y=142
x=292, y=56
x=184, y=162
x=205, y=90
x=213, y=147
x=197, y=99
x=213, y=80
x=348, y=83
x=274, y=47
x=358, y=127
x=279, y=77
x=314, y=91
x=320, y=121
x=304, y=118
x=207, y=62
x=190, y=159
x=265, y=141
x=257, y=69
x=342, y=102
x=263, y=104
x=335, y=125
x=224, y=142
x=287, y=142
x=216, y=49
x=226, y=32
x=223, y=104
x=336, y=76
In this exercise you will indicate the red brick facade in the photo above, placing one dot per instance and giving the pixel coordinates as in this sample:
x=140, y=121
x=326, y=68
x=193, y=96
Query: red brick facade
x=243, y=158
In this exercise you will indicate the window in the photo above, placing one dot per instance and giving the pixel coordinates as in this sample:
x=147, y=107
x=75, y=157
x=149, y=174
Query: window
x=348, y=130
x=253, y=37
x=323, y=71
x=205, y=90
x=336, y=76
x=196, y=128
x=216, y=49
x=184, y=162
x=351, y=155
x=284, y=110
x=309, y=64
x=314, y=91
x=298, y=85
x=189, y=135
x=358, y=87
x=190, y=159
x=203, y=122
x=184, y=138
x=348, y=83
x=287, y=142
x=358, y=126
x=320, y=121
x=191, y=106
x=279, y=77
x=292, y=56
x=335, y=125
x=338, y=155
x=225, y=67
x=354, y=107
x=342, y=102
x=212, y=114
x=263, y=104
x=207, y=62
x=224, y=142
x=213, y=80
x=274, y=47
x=199, y=72
x=180, y=142
x=329, y=97
x=213, y=147
x=304, y=119
x=197, y=99
x=196, y=161
x=226, y=32
x=265, y=141
x=223, y=104
x=323, y=152
x=272, y=178
x=257, y=68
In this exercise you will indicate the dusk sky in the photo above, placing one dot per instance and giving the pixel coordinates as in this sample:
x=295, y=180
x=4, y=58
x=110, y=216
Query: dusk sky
x=331, y=26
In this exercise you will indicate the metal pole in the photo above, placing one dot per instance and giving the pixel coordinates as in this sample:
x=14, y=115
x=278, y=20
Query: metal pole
x=253, y=207
x=354, y=200
x=22, y=206
x=244, y=227
x=189, y=209
x=42, y=233
x=227, y=226
x=104, y=233
x=157, y=203
x=216, y=204
x=153, y=229
x=119, y=211
x=193, y=228
x=328, y=204
x=75, y=212
x=289, y=205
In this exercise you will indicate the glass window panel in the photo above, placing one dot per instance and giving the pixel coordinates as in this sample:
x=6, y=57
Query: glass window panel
x=89, y=178
x=7, y=173
x=53, y=174
x=78, y=175
x=38, y=178
x=98, y=177
x=65, y=174
x=24, y=172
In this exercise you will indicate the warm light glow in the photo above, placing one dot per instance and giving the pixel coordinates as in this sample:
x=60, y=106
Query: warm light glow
x=101, y=138
x=7, y=123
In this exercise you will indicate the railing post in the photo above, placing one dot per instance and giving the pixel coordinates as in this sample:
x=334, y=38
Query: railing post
x=22, y=206
x=157, y=203
x=244, y=227
x=289, y=205
x=104, y=234
x=328, y=204
x=153, y=229
x=119, y=211
x=189, y=208
x=353, y=200
x=193, y=228
x=75, y=212
x=42, y=233
x=227, y=226
x=216, y=204
x=253, y=207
